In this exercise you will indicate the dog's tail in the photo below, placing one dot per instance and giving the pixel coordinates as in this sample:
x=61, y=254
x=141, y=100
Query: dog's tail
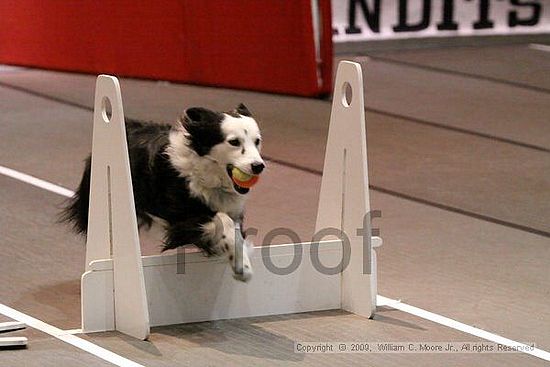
x=75, y=211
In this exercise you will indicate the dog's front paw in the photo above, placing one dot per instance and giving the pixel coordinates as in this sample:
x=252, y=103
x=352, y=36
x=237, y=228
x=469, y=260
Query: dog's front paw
x=245, y=276
x=241, y=271
x=242, y=267
x=248, y=247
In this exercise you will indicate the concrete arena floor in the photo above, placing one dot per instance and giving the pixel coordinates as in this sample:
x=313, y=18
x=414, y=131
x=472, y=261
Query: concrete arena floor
x=459, y=160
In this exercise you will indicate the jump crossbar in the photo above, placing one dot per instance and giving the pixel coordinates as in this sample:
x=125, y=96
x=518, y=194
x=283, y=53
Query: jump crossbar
x=125, y=291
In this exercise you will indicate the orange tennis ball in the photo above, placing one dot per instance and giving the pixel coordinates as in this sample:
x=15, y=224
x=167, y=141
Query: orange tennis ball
x=243, y=179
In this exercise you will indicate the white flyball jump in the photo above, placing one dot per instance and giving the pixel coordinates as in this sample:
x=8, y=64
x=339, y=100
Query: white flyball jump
x=124, y=291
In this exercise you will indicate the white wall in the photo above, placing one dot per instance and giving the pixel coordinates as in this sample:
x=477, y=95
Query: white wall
x=502, y=17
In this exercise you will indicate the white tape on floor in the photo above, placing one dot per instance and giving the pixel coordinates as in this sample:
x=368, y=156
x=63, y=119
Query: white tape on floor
x=539, y=47
x=103, y=353
x=10, y=69
x=36, y=181
x=445, y=321
x=73, y=340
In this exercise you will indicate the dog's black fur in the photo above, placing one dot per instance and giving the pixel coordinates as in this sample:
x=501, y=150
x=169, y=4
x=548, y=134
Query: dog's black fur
x=159, y=189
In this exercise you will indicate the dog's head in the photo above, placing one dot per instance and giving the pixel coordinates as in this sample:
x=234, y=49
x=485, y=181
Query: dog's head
x=226, y=147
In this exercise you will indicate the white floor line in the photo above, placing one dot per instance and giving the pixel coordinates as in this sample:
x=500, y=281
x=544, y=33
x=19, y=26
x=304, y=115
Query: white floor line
x=445, y=321
x=73, y=340
x=380, y=300
x=10, y=68
x=539, y=47
x=36, y=181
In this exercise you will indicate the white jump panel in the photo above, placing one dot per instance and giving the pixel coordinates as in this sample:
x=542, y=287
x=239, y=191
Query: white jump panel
x=207, y=290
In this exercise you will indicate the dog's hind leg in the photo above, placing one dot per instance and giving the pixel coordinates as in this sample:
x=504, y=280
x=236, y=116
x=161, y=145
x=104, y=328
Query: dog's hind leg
x=226, y=237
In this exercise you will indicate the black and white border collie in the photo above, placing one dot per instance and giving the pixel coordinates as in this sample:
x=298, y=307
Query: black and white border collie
x=182, y=174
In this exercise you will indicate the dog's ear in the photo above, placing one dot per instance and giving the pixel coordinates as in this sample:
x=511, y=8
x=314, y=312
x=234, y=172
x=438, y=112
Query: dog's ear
x=242, y=110
x=203, y=128
x=201, y=114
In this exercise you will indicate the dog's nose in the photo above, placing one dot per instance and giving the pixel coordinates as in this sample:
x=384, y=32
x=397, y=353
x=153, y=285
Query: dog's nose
x=257, y=168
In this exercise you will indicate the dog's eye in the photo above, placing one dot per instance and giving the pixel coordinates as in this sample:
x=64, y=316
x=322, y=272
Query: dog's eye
x=234, y=142
x=257, y=142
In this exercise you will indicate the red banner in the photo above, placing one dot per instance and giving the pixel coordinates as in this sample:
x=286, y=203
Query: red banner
x=264, y=45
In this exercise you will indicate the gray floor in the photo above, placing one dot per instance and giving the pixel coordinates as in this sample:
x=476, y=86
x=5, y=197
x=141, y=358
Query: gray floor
x=459, y=162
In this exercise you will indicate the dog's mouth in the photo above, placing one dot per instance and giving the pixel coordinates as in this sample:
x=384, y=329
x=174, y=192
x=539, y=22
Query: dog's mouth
x=242, y=181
